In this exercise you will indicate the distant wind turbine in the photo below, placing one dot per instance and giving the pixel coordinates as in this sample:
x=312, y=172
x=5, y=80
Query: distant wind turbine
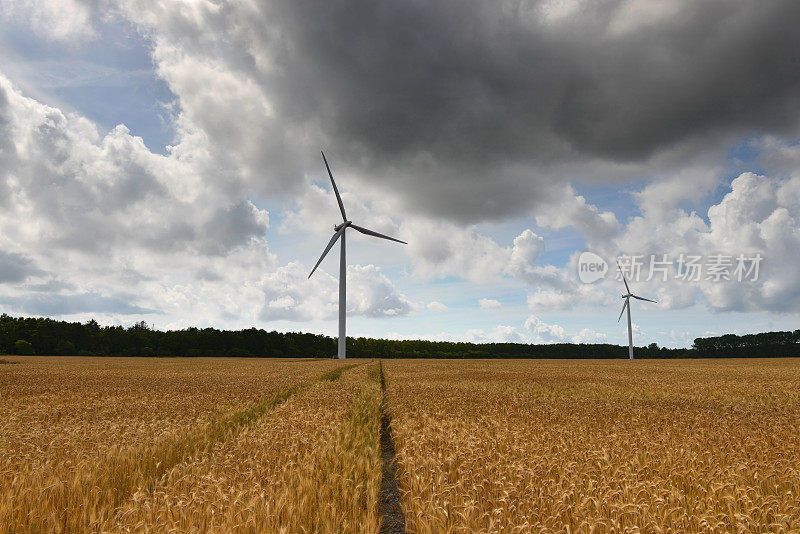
x=339, y=230
x=627, y=306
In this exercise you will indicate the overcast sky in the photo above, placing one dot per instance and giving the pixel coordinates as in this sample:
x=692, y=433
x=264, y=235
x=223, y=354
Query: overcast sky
x=160, y=161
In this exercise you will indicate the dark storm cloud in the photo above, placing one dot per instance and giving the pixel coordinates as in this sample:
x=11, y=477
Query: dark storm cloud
x=489, y=81
x=730, y=67
x=15, y=267
x=233, y=226
x=52, y=285
x=477, y=107
x=450, y=78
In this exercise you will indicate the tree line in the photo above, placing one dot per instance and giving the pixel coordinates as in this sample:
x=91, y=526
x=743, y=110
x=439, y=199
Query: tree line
x=750, y=345
x=28, y=336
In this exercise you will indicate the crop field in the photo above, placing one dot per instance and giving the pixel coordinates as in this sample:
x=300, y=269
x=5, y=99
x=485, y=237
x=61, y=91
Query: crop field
x=79, y=436
x=266, y=445
x=598, y=446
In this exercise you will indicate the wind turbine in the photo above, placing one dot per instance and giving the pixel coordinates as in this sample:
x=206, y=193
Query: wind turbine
x=627, y=305
x=338, y=231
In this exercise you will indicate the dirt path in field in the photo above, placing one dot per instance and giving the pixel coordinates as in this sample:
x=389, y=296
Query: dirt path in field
x=393, y=521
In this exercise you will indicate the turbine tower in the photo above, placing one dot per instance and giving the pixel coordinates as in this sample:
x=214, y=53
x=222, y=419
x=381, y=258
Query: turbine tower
x=338, y=231
x=627, y=306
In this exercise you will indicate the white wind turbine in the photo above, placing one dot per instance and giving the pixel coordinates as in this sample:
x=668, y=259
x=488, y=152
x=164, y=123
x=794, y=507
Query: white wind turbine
x=627, y=305
x=339, y=230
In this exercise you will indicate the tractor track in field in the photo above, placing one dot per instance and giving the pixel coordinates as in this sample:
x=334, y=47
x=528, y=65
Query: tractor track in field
x=149, y=465
x=393, y=520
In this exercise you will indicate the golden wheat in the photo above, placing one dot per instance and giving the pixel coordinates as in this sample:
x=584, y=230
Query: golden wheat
x=121, y=445
x=79, y=435
x=598, y=446
x=313, y=465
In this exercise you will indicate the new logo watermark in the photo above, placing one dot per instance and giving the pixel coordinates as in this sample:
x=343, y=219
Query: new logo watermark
x=591, y=267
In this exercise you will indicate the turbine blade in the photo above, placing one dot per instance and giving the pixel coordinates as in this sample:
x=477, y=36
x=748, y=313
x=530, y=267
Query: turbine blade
x=330, y=244
x=376, y=234
x=623, y=278
x=335, y=189
x=623, y=310
x=642, y=298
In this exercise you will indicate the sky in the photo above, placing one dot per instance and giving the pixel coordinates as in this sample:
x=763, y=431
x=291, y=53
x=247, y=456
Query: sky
x=160, y=162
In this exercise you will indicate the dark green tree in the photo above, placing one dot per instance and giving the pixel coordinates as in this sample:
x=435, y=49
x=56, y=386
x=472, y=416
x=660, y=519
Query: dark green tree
x=23, y=348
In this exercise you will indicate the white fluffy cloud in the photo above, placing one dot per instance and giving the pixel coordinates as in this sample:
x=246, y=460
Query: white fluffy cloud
x=441, y=249
x=534, y=331
x=54, y=20
x=83, y=191
x=542, y=332
x=489, y=303
x=317, y=211
x=564, y=208
x=111, y=227
x=587, y=335
x=436, y=306
x=445, y=249
x=526, y=250
x=559, y=288
x=759, y=215
x=370, y=293
x=290, y=295
x=499, y=334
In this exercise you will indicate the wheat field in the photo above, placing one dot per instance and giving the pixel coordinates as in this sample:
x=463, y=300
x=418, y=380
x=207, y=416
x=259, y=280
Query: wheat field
x=263, y=445
x=314, y=464
x=598, y=446
x=79, y=436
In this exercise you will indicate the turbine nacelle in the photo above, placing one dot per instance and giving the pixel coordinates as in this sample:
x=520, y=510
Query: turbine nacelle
x=337, y=227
